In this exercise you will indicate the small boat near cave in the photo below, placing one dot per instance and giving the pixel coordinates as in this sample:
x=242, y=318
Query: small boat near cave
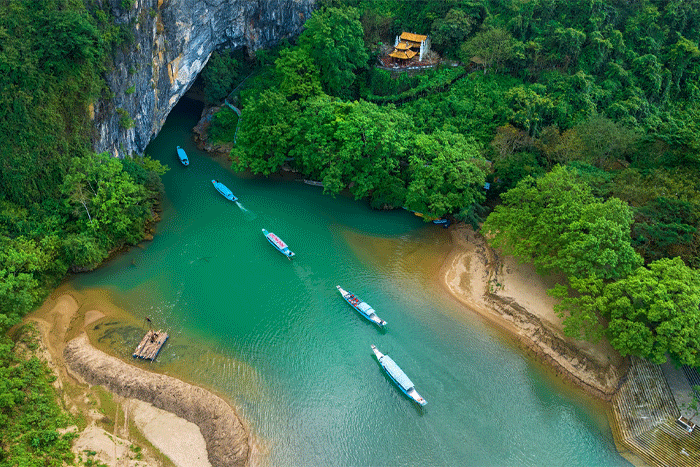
x=278, y=243
x=182, y=155
x=363, y=308
x=223, y=189
x=398, y=376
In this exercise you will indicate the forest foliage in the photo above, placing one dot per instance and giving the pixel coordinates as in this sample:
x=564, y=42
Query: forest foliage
x=62, y=207
x=582, y=116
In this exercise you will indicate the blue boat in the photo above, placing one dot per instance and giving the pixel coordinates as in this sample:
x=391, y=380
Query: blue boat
x=182, y=155
x=278, y=243
x=223, y=189
x=361, y=307
x=398, y=376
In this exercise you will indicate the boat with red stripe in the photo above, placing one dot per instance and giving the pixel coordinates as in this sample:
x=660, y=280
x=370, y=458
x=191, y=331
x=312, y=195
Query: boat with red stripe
x=278, y=243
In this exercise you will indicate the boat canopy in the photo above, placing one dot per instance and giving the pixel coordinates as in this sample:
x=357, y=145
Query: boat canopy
x=397, y=373
x=278, y=241
x=365, y=308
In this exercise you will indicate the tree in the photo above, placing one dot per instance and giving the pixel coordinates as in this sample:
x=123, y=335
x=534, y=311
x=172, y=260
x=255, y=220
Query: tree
x=449, y=32
x=509, y=140
x=604, y=141
x=264, y=141
x=447, y=174
x=578, y=307
x=556, y=223
x=491, y=47
x=355, y=145
x=298, y=74
x=655, y=311
x=532, y=108
x=559, y=148
x=107, y=202
x=333, y=37
x=21, y=261
x=219, y=75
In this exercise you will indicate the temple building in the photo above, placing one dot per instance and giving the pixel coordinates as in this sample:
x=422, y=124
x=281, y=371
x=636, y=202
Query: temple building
x=408, y=45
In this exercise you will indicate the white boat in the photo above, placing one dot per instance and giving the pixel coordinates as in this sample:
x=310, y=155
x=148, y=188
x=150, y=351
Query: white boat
x=398, y=376
x=361, y=307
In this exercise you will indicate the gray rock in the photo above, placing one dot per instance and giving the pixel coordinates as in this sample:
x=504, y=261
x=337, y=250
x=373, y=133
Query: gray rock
x=173, y=42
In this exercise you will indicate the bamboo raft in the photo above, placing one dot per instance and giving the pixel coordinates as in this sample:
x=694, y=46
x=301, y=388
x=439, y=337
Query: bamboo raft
x=151, y=344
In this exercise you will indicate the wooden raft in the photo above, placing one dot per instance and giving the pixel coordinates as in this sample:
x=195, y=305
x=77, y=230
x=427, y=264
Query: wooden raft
x=151, y=344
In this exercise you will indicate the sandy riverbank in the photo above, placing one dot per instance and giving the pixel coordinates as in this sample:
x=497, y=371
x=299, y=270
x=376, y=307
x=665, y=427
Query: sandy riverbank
x=177, y=423
x=514, y=297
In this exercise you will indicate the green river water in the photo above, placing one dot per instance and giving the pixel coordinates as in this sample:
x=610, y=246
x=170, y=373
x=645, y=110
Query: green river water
x=275, y=337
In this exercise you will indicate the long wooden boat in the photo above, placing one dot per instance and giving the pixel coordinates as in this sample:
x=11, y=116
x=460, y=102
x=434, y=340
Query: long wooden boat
x=398, y=376
x=364, y=309
x=278, y=243
x=223, y=189
x=182, y=155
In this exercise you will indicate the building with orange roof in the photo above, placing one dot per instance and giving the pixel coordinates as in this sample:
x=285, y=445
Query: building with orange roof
x=408, y=45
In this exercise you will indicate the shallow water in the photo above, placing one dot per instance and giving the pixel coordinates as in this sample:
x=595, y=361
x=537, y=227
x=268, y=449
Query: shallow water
x=276, y=338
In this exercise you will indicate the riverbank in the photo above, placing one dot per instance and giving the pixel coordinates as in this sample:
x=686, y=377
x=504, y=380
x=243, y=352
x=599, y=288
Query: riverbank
x=513, y=296
x=146, y=416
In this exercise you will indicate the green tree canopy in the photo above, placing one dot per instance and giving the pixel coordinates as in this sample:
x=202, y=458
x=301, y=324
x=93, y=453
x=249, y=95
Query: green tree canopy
x=447, y=174
x=655, y=311
x=451, y=30
x=333, y=38
x=298, y=75
x=106, y=200
x=556, y=223
x=219, y=75
x=492, y=47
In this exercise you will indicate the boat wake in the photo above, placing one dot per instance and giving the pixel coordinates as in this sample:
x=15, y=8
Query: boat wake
x=247, y=213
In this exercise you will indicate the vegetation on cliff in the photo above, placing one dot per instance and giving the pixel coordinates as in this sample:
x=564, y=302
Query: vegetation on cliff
x=586, y=111
x=62, y=207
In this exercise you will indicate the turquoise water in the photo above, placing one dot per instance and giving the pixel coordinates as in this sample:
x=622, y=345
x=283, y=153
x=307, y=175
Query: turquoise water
x=276, y=337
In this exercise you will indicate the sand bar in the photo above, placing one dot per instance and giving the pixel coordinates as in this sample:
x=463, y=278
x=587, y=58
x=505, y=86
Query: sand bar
x=514, y=297
x=190, y=425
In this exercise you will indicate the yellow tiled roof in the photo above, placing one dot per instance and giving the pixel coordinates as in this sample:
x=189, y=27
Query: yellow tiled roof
x=406, y=55
x=409, y=36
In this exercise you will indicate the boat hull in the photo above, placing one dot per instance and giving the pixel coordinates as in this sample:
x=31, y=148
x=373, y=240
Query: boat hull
x=358, y=305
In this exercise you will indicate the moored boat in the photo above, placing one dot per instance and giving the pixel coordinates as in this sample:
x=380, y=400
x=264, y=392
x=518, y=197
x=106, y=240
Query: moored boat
x=398, y=376
x=223, y=189
x=361, y=307
x=278, y=243
x=182, y=155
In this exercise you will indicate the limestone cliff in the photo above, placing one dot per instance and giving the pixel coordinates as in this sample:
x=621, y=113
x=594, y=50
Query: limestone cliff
x=173, y=40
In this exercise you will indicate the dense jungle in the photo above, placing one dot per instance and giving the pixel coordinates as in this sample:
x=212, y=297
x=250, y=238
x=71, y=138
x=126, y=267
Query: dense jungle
x=581, y=117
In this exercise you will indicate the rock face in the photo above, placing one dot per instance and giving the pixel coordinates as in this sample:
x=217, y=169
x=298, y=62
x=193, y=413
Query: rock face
x=173, y=40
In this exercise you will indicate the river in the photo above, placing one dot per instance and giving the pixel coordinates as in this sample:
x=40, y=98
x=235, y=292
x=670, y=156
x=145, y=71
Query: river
x=275, y=337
